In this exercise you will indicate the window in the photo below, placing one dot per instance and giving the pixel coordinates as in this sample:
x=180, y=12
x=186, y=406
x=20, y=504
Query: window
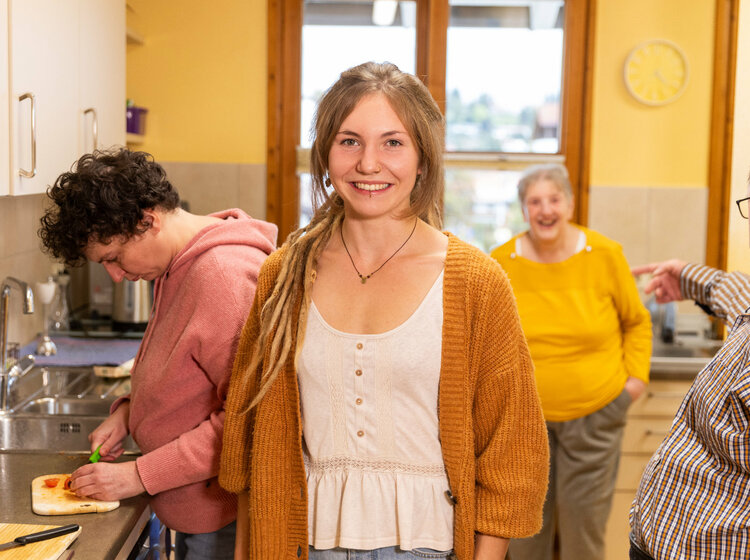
x=339, y=35
x=508, y=74
x=503, y=89
x=504, y=76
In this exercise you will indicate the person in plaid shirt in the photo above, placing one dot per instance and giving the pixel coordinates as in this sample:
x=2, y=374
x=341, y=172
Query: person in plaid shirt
x=693, y=500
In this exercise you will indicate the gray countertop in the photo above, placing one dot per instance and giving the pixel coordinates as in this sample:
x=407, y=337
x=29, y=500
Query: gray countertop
x=104, y=536
x=681, y=361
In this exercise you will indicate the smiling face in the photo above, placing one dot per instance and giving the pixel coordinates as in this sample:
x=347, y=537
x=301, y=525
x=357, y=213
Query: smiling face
x=373, y=163
x=547, y=210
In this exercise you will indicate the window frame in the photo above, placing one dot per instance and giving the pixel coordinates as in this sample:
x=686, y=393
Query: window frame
x=721, y=132
x=285, y=19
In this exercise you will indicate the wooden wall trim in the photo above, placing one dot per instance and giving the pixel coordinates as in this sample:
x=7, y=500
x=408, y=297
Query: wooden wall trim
x=285, y=19
x=576, y=100
x=433, y=17
x=722, y=129
x=284, y=75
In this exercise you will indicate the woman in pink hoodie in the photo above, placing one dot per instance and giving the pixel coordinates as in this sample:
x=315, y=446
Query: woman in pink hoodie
x=118, y=209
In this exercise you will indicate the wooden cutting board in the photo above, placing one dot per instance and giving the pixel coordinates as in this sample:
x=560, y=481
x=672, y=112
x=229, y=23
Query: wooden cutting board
x=51, y=549
x=59, y=501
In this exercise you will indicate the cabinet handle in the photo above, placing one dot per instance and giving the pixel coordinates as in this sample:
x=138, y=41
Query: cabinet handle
x=94, y=126
x=23, y=172
x=665, y=395
x=650, y=432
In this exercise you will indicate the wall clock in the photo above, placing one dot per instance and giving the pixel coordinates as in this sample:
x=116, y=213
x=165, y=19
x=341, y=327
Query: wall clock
x=656, y=72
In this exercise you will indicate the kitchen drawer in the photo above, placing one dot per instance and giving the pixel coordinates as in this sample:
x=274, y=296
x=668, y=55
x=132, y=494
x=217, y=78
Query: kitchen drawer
x=618, y=527
x=630, y=470
x=661, y=398
x=643, y=435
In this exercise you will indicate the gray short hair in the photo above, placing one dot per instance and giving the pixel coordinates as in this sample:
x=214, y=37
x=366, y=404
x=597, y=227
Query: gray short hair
x=547, y=171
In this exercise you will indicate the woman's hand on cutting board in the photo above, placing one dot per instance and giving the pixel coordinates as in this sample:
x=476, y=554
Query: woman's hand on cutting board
x=107, y=481
x=111, y=433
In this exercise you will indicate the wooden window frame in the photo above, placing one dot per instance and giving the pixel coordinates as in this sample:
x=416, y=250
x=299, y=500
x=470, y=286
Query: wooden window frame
x=722, y=129
x=284, y=86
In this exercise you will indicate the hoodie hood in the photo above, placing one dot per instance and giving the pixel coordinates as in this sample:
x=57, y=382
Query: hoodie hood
x=237, y=228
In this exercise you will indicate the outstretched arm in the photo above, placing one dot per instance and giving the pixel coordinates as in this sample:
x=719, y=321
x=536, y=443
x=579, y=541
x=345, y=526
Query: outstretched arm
x=665, y=282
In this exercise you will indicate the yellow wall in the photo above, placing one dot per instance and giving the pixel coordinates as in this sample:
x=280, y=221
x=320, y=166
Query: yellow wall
x=638, y=145
x=202, y=75
x=738, y=257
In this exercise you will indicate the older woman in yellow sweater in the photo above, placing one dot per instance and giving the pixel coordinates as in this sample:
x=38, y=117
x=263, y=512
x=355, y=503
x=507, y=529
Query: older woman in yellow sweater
x=590, y=339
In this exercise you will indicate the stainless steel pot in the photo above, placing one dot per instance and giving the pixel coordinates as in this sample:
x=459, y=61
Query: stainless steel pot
x=132, y=302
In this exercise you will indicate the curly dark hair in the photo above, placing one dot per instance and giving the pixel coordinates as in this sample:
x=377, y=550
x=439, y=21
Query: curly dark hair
x=103, y=197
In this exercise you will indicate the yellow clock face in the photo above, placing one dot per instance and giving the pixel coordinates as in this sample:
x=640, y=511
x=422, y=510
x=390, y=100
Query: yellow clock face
x=656, y=72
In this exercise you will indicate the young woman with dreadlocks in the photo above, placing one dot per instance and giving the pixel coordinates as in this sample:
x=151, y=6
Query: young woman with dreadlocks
x=382, y=401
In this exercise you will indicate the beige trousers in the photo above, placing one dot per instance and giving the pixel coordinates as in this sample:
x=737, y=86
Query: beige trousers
x=584, y=454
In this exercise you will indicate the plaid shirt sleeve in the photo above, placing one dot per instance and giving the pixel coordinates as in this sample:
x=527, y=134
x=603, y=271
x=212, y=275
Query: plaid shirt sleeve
x=693, y=500
x=725, y=294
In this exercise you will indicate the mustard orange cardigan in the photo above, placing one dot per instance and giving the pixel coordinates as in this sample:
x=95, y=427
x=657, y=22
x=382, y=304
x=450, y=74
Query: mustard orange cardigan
x=492, y=432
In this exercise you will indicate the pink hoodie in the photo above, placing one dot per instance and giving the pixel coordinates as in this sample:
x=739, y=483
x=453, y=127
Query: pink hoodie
x=181, y=373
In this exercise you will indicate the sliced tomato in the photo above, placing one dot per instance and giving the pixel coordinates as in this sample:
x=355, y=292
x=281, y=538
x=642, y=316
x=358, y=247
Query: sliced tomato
x=66, y=484
x=51, y=482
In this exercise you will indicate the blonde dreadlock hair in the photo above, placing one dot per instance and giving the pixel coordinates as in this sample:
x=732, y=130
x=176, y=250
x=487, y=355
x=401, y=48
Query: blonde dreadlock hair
x=417, y=110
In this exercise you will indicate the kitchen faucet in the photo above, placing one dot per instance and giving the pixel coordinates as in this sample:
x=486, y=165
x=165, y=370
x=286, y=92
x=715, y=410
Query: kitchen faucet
x=28, y=307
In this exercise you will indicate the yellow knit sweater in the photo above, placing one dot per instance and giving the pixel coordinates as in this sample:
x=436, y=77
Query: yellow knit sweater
x=492, y=432
x=586, y=326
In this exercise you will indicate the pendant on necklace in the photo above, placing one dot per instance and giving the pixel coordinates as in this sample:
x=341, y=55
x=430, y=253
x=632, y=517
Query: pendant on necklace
x=363, y=278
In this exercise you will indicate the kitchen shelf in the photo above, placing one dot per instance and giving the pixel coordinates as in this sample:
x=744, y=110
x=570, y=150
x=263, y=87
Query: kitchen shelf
x=131, y=138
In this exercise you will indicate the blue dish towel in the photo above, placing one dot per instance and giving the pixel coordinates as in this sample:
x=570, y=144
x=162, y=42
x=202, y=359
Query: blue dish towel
x=75, y=352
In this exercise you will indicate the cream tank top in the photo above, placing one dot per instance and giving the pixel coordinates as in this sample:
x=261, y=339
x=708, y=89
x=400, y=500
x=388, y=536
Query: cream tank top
x=375, y=472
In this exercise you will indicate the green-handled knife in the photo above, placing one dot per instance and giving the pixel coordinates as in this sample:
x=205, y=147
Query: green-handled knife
x=95, y=455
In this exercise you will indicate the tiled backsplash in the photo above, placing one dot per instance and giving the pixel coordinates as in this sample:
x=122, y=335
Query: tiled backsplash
x=208, y=187
x=21, y=256
x=653, y=224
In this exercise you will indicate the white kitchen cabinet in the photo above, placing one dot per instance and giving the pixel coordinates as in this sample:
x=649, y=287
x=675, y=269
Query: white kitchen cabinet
x=102, y=74
x=4, y=95
x=649, y=420
x=44, y=91
x=67, y=77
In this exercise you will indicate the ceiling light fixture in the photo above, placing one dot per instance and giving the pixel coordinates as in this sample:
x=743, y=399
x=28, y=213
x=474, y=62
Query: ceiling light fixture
x=384, y=11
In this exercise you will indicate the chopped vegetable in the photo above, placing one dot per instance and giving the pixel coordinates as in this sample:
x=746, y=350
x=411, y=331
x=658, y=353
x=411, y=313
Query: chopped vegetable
x=66, y=484
x=51, y=482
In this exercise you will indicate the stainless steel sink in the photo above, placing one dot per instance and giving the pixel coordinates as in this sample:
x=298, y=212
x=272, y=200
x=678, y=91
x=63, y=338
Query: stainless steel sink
x=66, y=391
x=685, y=352
x=56, y=408
x=85, y=406
x=64, y=434
x=684, y=359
